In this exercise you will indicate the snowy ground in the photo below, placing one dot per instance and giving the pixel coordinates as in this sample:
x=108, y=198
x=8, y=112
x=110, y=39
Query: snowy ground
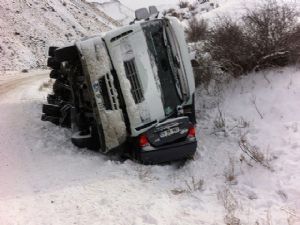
x=46, y=180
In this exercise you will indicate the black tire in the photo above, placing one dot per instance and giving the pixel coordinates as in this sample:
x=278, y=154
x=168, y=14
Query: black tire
x=68, y=53
x=52, y=119
x=51, y=50
x=53, y=63
x=52, y=99
x=51, y=110
x=61, y=90
x=55, y=74
x=91, y=142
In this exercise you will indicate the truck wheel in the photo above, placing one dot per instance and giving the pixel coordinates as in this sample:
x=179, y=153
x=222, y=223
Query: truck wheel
x=51, y=51
x=51, y=110
x=68, y=53
x=88, y=140
x=53, y=63
x=60, y=90
x=52, y=119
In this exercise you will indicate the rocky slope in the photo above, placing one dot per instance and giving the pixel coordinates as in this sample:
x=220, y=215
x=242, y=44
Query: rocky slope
x=29, y=27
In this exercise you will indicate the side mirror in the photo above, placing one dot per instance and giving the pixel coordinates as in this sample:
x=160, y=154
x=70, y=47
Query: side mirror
x=153, y=10
x=142, y=14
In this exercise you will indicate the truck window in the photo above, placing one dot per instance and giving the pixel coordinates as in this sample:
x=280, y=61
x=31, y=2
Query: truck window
x=157, y=47
x=132, y=76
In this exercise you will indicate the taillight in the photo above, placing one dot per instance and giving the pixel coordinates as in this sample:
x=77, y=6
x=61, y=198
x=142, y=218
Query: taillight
x=143, y=141
x=192, y=132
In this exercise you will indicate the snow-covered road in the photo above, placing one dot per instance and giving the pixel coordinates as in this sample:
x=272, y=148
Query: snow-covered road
x=44, y=179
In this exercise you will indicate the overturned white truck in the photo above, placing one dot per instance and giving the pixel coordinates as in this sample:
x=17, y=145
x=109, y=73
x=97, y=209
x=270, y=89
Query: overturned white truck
x=131, y=90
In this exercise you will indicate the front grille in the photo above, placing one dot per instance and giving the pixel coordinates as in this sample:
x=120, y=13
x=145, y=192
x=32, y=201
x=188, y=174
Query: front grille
x=132, y=76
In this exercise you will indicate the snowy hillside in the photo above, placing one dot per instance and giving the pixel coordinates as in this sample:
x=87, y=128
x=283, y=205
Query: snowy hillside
x=212, y=9
x=28, y=27
x=115, y=9
x=46, y=180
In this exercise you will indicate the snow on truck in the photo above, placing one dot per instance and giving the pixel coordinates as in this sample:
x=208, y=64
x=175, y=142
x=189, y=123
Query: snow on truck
x=130, y=89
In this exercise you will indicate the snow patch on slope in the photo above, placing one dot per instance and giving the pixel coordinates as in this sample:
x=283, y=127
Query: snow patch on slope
x=31, y=26
x=116, y=10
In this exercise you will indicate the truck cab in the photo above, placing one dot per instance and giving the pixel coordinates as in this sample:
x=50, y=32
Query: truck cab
x=131, y=88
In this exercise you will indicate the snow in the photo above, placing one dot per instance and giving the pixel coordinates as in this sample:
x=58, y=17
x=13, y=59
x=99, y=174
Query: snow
x=46, y=180
x=235, y=9
x=27, y=30
x=116, y=10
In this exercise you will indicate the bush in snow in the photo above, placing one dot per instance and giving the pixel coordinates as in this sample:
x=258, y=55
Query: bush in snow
x=271, y=29
x=173, y=12
x=229, y=46
x=205, y=68
x=192, y=7
x=267, y=36
x=183, y=4
x=197, y=30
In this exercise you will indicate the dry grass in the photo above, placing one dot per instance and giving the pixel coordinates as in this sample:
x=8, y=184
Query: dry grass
x=255, y=152
x=192, y=7
x=197, y=30
x=219, y=122
x=229, y=174
x=191, y=186
x=253, y=101
x=183, y=4
x=230, y=205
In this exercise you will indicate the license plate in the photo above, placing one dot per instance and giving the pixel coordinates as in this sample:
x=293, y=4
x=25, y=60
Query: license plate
x=169, y=132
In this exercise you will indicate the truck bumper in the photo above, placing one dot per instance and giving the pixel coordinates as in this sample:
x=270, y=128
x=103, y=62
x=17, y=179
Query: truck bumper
x=167, y=153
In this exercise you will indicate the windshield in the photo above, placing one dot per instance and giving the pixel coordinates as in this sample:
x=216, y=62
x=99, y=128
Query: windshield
x=159, y=47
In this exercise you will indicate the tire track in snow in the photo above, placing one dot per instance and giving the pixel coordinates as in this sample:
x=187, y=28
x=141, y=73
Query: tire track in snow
x=11, y=84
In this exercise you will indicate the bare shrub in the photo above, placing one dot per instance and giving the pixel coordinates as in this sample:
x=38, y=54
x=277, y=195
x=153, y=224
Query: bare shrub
x=205, y=68
x=229, y=173
x=228, y=44
x=183, y=4
x=192, y=7
x=194, y=185
x=270, y=28
x=219, y=121
x=254, y=152
x=241, y=124
x=230, y=205
x=191, y=186
x=253, y=101
x=197, y=30
x=172, y=12
x=203, y=71
x=267, y=36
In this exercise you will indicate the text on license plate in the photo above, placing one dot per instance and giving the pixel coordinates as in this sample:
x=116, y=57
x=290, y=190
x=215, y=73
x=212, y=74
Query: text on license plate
x=169, y=132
